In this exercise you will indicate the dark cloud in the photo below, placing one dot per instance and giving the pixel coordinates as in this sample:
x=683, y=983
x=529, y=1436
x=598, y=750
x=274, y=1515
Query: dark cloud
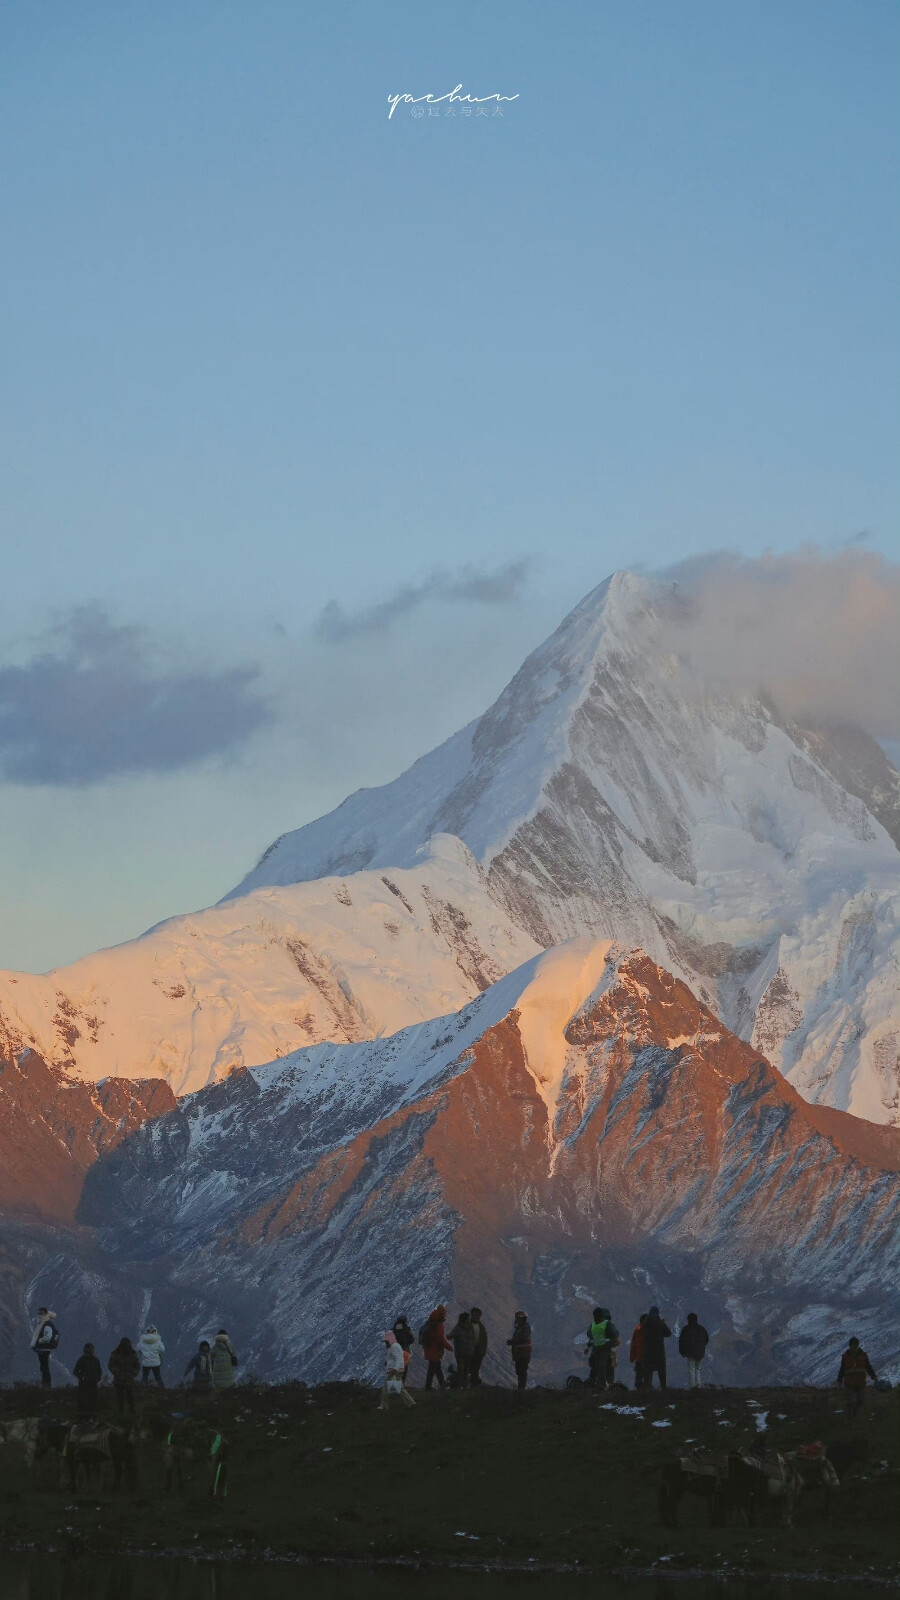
x=91, y=706
x=465, y=586
x=818, y=632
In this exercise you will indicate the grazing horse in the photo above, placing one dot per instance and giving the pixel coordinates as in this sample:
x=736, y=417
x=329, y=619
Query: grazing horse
x=195, y=1440
x=23, y=1431
x=816, y=1471
x=770, y=1482
x=700, y=1473
x=36, y=1437
x=92, y=1447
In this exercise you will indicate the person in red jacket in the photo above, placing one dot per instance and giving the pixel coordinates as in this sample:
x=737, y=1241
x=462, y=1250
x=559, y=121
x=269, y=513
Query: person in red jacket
x=435, y=1344
x=636, y=1352
x=854, y=1369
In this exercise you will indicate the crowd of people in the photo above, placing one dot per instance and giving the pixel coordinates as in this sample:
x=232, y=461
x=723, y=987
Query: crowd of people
x=213, y=1366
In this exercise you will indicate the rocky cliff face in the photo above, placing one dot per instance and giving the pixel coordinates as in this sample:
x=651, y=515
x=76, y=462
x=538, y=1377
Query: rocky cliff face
x=585, y=1131
x=52, y=1129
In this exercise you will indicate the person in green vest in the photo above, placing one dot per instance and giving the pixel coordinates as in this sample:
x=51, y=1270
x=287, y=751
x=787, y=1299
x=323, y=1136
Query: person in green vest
x=602, y=1337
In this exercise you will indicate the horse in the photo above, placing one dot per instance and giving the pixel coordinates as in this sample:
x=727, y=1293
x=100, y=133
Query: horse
x=770, y=1482
x=816, y=1471
x=195, y=1440
x=91, y=1447
x=699, y=1473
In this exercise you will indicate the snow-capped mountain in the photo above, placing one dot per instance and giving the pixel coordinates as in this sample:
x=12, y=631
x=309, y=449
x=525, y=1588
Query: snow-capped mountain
x=584, y=1131
x=607, y=792
x=244, y=982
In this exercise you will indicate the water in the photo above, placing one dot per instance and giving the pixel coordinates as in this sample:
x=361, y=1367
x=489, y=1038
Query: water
x=41, y=1577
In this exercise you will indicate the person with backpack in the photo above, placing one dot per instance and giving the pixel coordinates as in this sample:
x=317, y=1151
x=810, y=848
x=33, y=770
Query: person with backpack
x=855, y=1368
x=656, y=1331
x=394, y=1372
x=521, y=1348
x=88, y=1373
x=404, y=1336
x=201, y=1366
x=481, y=1345
x=435, y=1344
x=44, y=1341
x=636, y=1351
x=602, y=1335
x=224, y=1361
x=692, y=1342
x=151, y=1351
x=462, y=1337
x=125, y=1366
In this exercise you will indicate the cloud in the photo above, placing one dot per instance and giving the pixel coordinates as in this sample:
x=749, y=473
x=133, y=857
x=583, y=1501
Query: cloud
x=466, y=586
x=91, y=706
x=817, y=633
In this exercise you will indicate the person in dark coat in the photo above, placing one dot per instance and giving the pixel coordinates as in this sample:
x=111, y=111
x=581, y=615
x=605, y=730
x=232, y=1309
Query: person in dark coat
x=88, y=1372
x=854, y=1369
x=656, y=1331
x=44, y=1341
x=201, y=1366
x=692, y=1342
x=404, y=1336
x=125, y=1366
x=435, y=1344
x=462, y=1337
x=521, y=1347
x=481, y=1344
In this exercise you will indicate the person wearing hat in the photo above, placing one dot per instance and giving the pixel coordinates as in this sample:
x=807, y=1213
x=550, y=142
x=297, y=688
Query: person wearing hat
x=394, y=1372
x=521, y=1347
x=223, y=1357
x=151, y=1351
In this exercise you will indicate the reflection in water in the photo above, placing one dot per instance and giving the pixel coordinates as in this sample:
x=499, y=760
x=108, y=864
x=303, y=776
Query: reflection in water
x=32, y=1577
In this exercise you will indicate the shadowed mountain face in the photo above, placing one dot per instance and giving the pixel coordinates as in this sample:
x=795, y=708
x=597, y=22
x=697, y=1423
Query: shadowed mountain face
x=584, y=1132
x=52, y=1129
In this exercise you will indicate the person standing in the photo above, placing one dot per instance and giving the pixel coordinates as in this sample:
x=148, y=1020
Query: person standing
x=404, y=1336
x=692, y=1342
x=435, y=1344
x=44, y=1341
x=151, y=1351
x=481, y=1345
x=521, y=1347
x=601, y=1336
x=656, y=1331
x=201, y=1366
x=224, y=1361
x=88, y=1372
x=394, y=1372
x=855, y=1368
x=124, y=1365
x=462, y=1337
x=636, y=1351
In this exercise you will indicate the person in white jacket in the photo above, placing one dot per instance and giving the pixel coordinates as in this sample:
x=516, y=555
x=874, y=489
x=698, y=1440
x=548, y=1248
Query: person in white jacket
x=151, y=1351
x=394, y=1367
x=44, y=1340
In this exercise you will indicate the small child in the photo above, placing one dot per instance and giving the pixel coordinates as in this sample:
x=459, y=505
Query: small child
x=394, y=1371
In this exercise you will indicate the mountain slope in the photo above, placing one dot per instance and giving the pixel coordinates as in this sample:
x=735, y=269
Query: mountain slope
x=583, y=1131
x=607, y=792
x=252, y=979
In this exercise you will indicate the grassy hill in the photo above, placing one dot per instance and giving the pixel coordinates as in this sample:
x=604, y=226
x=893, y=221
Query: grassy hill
x=550, y=1477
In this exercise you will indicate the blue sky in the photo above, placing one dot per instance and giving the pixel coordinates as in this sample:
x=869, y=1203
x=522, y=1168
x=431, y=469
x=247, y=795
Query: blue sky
x=266, y=349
